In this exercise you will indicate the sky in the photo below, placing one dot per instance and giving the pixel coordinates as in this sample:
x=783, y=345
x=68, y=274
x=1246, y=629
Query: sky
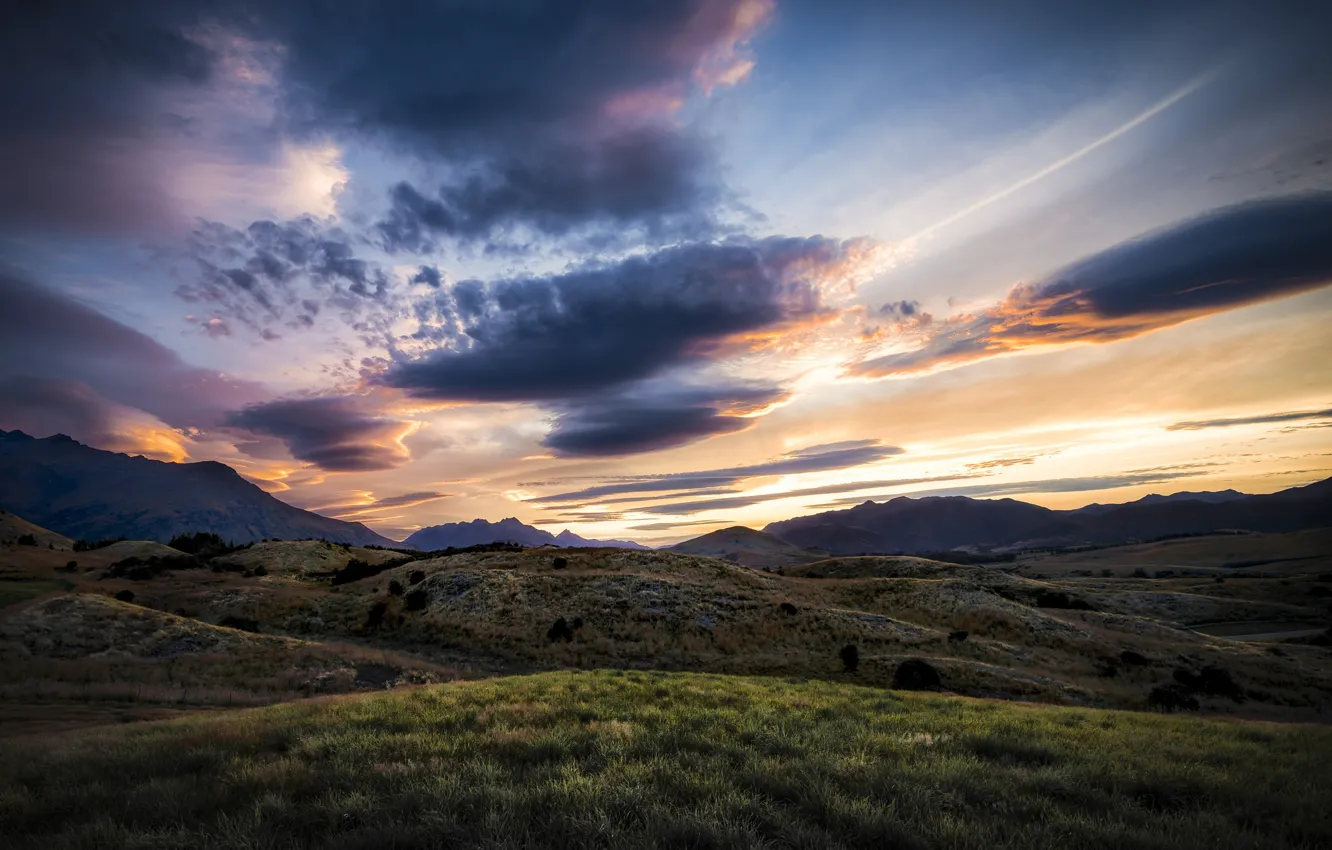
x=648, y=269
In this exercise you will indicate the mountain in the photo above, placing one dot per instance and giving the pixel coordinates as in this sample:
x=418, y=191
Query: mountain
x=87, y=493
x=510, y=530
x=746, y=547
x=940, y=523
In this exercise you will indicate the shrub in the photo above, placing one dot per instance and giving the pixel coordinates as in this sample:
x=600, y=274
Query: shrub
x=957, y=636
x=203, y=544
x=559, y=631
x=1139, y=572
x=788, y=609
x=416, y=577
x=27, y=540
x=376, y=616
x=261, y=571
x=850, y=658
x=247, y=573
x=125, y=596
x=1319, y=592
x=1220, y=579
x=1211, y=680
x=1171, y=698
x=916, y=675
x=577, y=623
x=416, y=600
x=1106, y=669
x=70, y=567
x=559, y=563
x=1137, y=659
x=245, y=624
x=396, y=588
x=1107, y=573
x=357, y=569
x=1061, y=600
x=90, y=545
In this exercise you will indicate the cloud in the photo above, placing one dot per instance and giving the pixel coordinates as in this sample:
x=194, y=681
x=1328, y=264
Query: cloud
x=284, y=275
x=667, y=526
x=834, y=456
x=624, y=424
x=499, y=92
x=335, y=433
x=45, y=406
x=1290, y=416
x=605, y=326
x=1016, y=488
x=700, y=505
x=637, y=186
x=48, y=335
x=369, y=508
x=1230, y=258
x=1002, y=462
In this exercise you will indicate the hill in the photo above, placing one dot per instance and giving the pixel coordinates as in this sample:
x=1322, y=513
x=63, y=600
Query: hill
x=747, y=547
x=940, y=523
x=510, y=530
x=15, y=528
x=87, y=493
x=639, y=760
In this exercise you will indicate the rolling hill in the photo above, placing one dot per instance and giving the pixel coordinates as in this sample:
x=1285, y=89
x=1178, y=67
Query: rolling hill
x=940, y=523
x=747, y=547
x=82, y=492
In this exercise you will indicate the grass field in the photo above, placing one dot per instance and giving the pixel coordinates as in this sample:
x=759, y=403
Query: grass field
x=651, y=759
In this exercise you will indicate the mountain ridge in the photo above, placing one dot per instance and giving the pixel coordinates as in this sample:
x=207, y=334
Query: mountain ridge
x=84, y=492
x=508, y=530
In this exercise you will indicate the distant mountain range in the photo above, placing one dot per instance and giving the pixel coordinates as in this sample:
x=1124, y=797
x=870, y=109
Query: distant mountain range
x=940, y=523
x=508, y=530
x=90, y=494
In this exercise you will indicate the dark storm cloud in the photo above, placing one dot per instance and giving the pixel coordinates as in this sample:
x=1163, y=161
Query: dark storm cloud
x=45, y=406
x=335, y=433
x=834, y=456
x=47, y=335
x=629, y=424
x=582, y=332
x=1290, y=416
x=1230, y=258
x=644, y=185
x=284, y=274
x=514, y=94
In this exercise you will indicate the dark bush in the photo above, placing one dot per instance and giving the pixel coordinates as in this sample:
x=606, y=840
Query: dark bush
x=357, y=569
x=416, y=577
x=850, y=658
x=958, y=636
x=245, y=624
x=1139, y=572
x=1220, y=579
x=202, y=544
x=1106, y=669
x=396, y=588
x=70, y=567
x=1107, y=573
x=146, y=569
x=788, y=609
x=1061, y=600
x=1211, y=680
x=261, y=571
x=375, y=618
x=1137, y=659
x=416, y=600
x=559, y=563
x=1171, y=698
x=1320, y=592
x=27, y=540
x=916, y=675
x=125, y=596
x=577, y=623
x=90, y=545
x=559, y=631
x=247, y=573
x=1326, y=578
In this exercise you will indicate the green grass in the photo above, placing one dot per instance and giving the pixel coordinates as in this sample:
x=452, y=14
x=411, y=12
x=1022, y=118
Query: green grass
x=627, y=759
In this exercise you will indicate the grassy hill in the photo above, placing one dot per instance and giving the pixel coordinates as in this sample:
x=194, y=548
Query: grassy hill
x=649, y=759
x=747, y=547
x=13, y=527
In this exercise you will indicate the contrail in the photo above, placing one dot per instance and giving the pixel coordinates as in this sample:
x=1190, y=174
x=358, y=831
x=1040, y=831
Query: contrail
x=1141, y=118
